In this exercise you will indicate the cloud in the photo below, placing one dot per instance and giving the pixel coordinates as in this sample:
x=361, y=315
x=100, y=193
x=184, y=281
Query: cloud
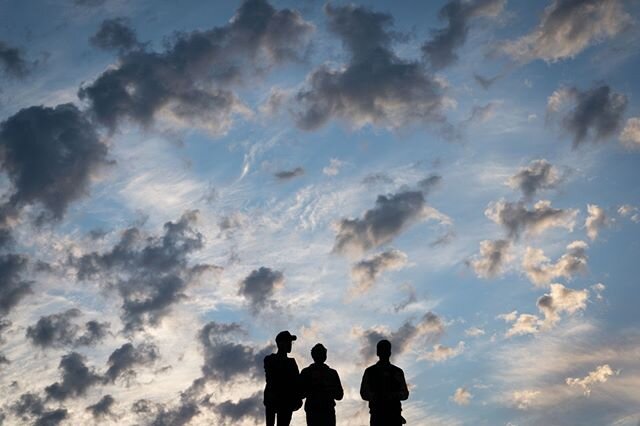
x=13, y=287
x=440, y=50
x=493, y=257
x=594, y=114
x=442, y=353
x=127, y=356
x=150, y=273
x=485, y=82
x=568, y=27
x=462, y=396
x=429, y=327
x=601, y=374
x=245, y=408
x=375, y=87
x=523, y=399
x=12, y=61
x=76, y=378
x=522, y=324
x=179, y=415
x=630, y=211
x=541, y=271
x=517, y=219
x=115, y=34
x=483, y=113
x=561, y=299
x=285, y=175
x=596, y=220
x=391, y=215
x=537, y=176
x=474, y=332
x=630, y=135
x=31, y=406
x=50, y=156
x=365, y=273
x=102, y=408
x=58, y=330
x=259, y=286
x=225, y=360
x=189, y=82
x=333, y=168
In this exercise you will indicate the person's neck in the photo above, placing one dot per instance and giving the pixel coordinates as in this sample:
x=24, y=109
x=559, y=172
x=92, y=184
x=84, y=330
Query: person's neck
x=282, y=354
x=384, y=361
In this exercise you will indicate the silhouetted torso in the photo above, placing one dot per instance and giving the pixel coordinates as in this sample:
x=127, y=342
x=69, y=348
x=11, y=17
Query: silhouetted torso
x=383, y=385
x=281, y=390
x=321, y=387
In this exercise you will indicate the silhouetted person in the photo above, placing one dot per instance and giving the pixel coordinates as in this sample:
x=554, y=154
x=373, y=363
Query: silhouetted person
x=320, y=385
x=383, y=385
x=282, y=392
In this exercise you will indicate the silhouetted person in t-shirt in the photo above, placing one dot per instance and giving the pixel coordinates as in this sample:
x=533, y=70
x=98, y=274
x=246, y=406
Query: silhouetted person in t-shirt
x=320, y=385
x=383, y=385
x=282, y=392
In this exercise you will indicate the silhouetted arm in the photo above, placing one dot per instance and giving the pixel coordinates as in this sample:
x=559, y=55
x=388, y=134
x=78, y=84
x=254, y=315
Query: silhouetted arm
x=338, y=392
x=403, y=393
x=365, y=387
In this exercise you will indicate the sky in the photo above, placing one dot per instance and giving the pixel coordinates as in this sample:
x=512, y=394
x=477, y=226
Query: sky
x=180, y=181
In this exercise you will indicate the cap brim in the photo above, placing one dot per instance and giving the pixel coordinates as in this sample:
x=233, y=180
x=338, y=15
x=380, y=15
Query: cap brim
x=294, y=337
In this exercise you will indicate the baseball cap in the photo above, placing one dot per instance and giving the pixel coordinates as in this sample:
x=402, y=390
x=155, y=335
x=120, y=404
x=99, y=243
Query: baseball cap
x=285, y=336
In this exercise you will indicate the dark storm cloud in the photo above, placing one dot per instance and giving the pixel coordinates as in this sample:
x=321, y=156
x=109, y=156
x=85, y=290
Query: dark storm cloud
x=429, y=183
x=12, y=61
x=192, y=76
x=12, y=286
x=516, y=218
x=289, y=174
x=224, y=360
x=102, y=408
x=430, y=326
x=52, y=418
x=375, y=87
x=50, y=156
x=596, y=115
x=151, y=273
x=365, y=272
x=115, y=34
x=127, y=356
x=246, y=408
x=440, y=51
x=31, y=406
x=259, y=286
x=391, y=215
x=538, y=175
x=76, y=378
x=176, y=416
x=59, y=330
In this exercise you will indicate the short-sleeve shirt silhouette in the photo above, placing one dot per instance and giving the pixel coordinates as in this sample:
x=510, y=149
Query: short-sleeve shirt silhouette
x=282, y=389
x=383, y=385
x=320, y=385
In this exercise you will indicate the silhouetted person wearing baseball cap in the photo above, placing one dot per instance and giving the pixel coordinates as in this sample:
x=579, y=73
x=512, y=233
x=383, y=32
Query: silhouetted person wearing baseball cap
x=282, y=392
x=383, y=385
x=321, y=386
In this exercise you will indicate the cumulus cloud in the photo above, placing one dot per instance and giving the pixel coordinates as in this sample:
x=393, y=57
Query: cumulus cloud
x=259, y=286
x=189, y=81
x=538, y=175
x=391, y=215
x=115, y=34
x=462, y=396
x=127, y=356
x=76, y=378
x=375, y=87
x=522, y=324
x=50, y=156
x=245, y=408
x=601, y=374
x=561, y=299
x=492, y=259
x=30, y=406
x=12, y=61
x=365, y=273
x=150, y=273
x=630, y=135
x=474, y=332
x=442, y=353
x=596, y=220
x=440, y=50
x=13, y=287
x=568, y=27
x=102, y=408
x=57, y=330
x=541, y=271
x=594, y=114
x=630, y=211
x=523, y=399
x=285, y=175
x=333, y=168
x=517, y=219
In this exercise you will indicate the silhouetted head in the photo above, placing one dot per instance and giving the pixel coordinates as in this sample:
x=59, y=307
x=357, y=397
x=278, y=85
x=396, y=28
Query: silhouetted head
x=383, y=350
x=319, y=353
x=283, y=341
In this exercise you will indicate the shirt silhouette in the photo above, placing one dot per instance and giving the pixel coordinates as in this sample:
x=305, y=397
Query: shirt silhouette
x=383, y=385
x=321, y=387
x=282, y=391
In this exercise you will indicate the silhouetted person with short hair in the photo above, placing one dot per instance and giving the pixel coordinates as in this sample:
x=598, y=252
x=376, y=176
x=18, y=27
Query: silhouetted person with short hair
x=282, y=391
x=383, y=385
x=321, y=386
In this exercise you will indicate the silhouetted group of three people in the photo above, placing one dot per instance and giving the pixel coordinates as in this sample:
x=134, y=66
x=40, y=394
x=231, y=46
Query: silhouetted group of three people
x=383, y=385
